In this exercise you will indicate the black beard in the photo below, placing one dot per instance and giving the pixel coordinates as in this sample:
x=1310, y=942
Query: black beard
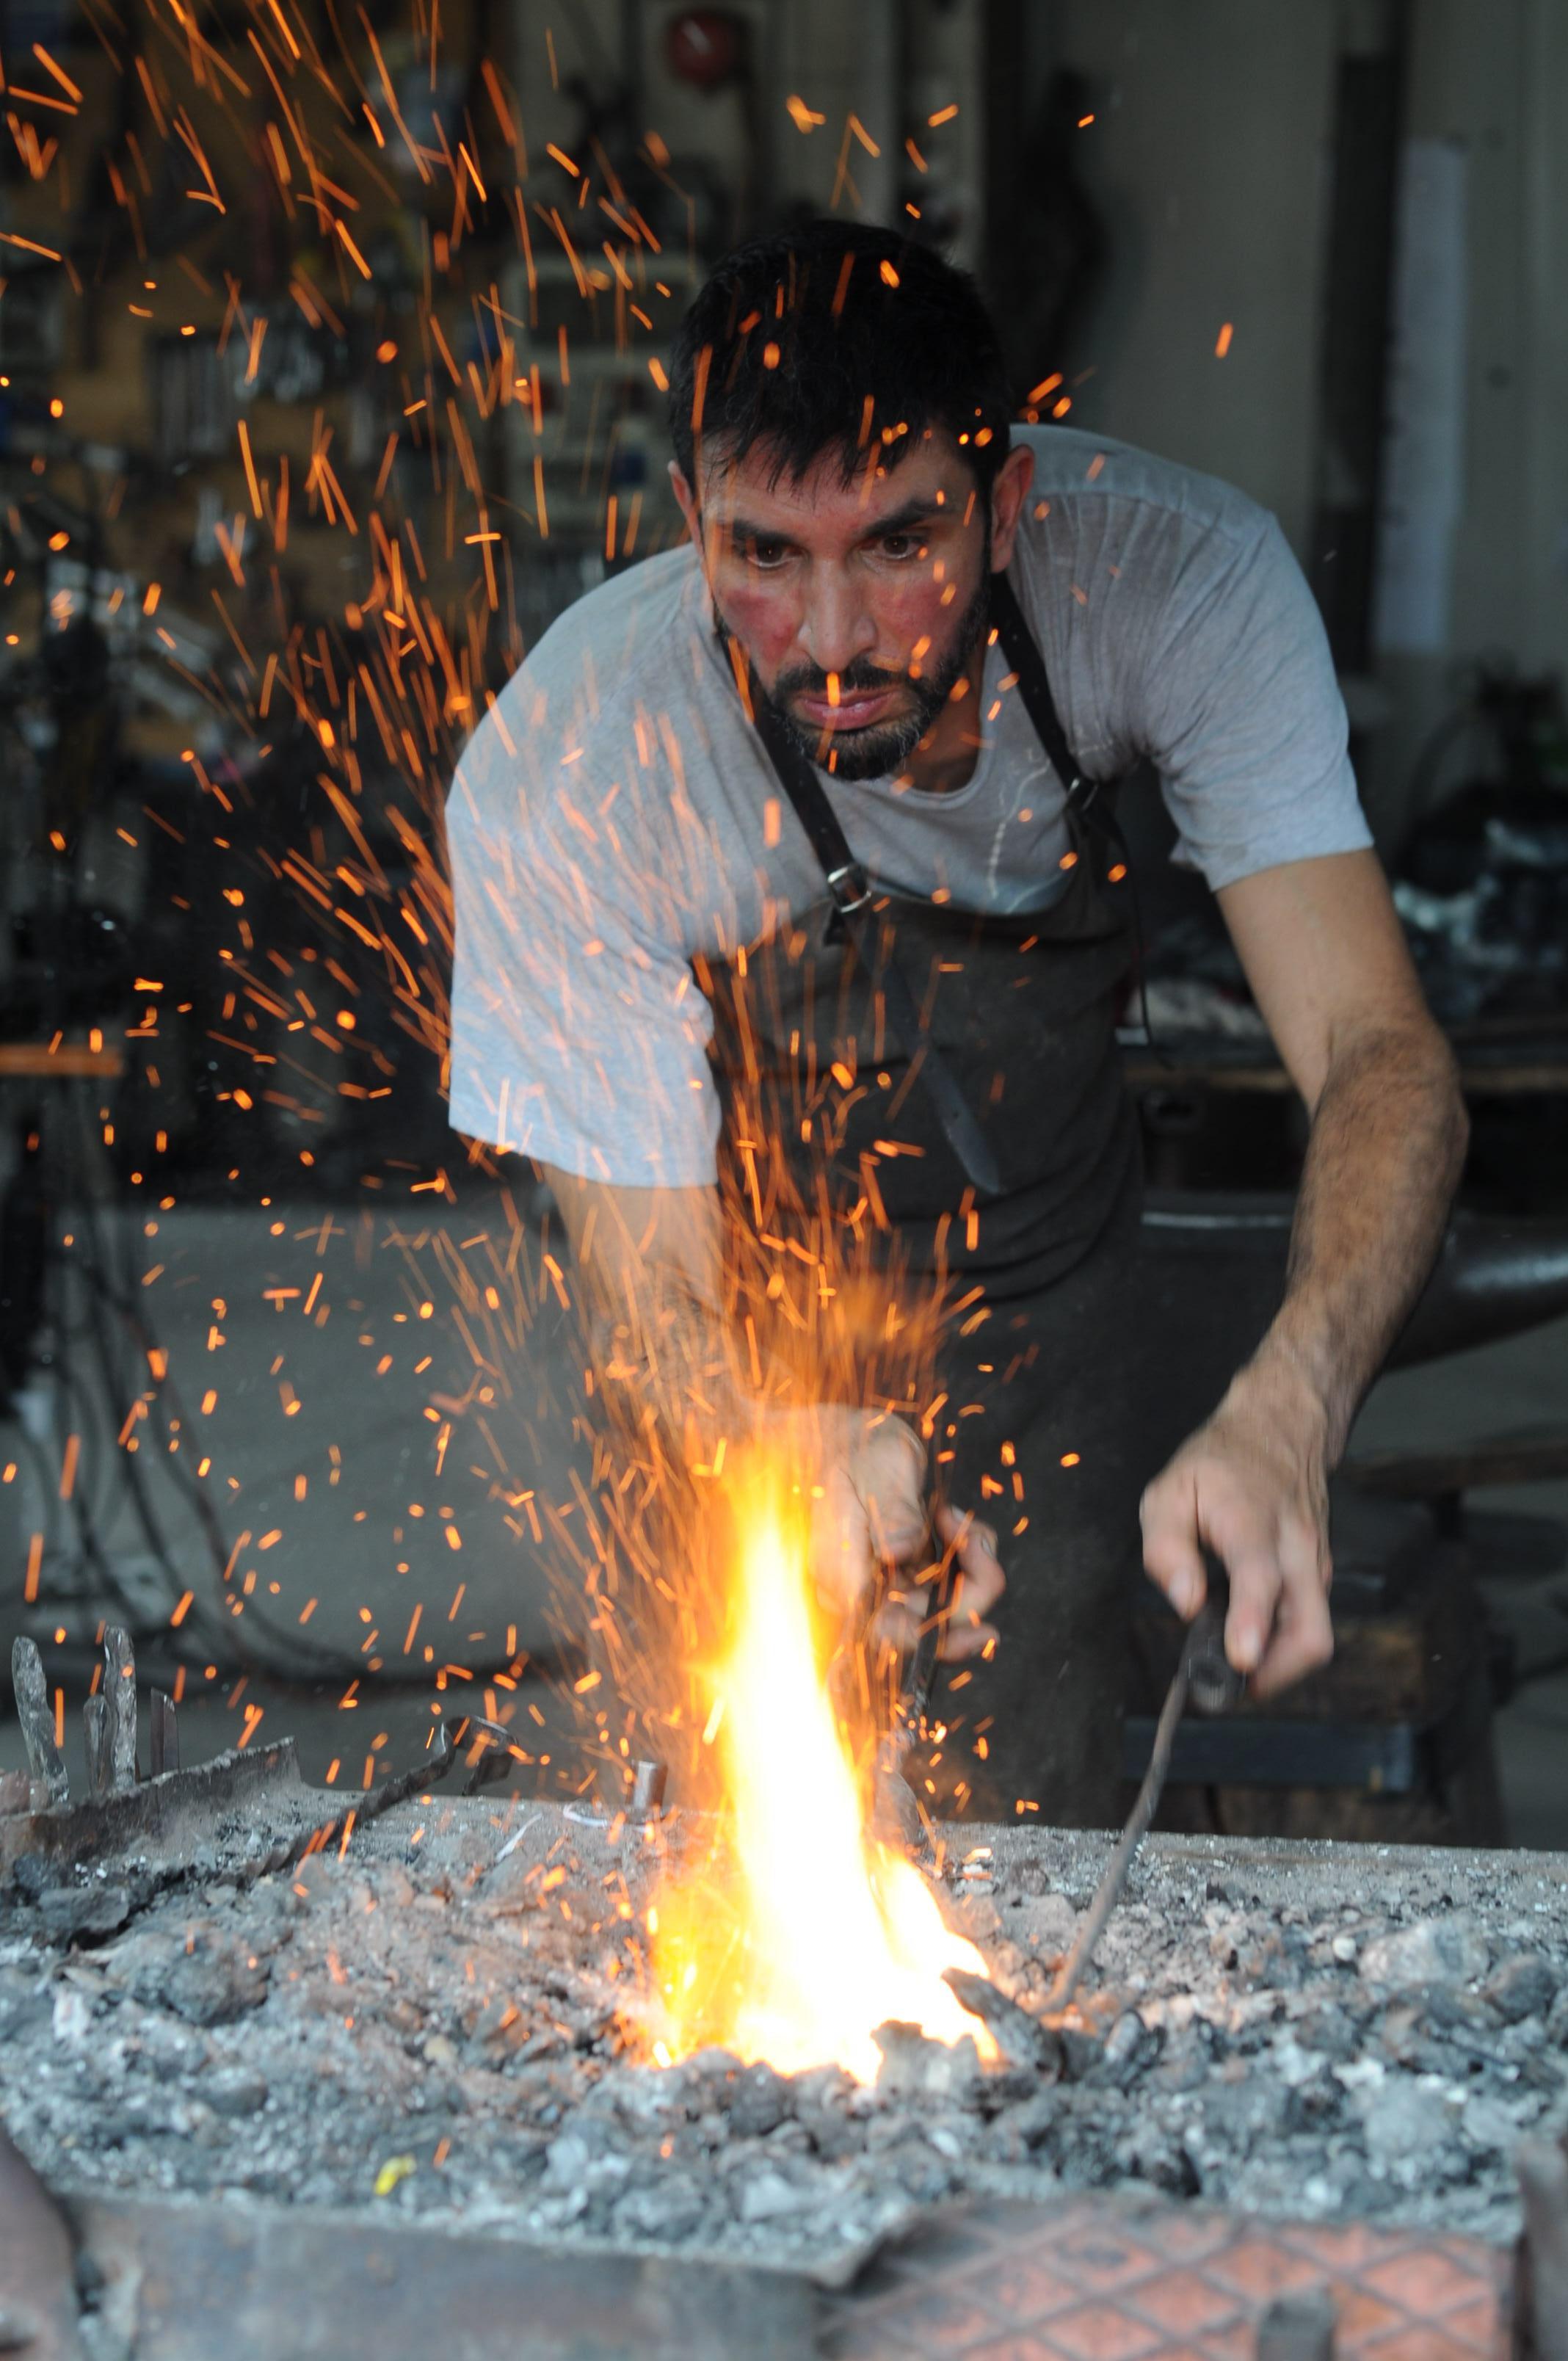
x=883, y=747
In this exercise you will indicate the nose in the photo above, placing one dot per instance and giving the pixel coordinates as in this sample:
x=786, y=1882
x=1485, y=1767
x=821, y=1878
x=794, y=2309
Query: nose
x=835, y=626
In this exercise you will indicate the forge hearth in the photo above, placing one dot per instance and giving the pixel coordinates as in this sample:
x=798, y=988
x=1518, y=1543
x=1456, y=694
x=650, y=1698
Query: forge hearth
x=433, y=2018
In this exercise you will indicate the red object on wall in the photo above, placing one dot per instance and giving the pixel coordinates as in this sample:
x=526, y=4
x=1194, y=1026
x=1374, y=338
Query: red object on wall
x=703, y=46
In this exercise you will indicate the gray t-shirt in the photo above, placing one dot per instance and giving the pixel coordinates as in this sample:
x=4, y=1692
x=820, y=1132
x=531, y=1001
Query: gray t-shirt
x=615, y=816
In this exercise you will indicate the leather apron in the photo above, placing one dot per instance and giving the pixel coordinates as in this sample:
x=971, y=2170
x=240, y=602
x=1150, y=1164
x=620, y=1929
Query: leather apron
x=1006, y=1307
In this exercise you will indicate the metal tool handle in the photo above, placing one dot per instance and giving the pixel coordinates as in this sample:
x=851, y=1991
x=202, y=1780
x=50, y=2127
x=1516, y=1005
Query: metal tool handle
x=920, y=1675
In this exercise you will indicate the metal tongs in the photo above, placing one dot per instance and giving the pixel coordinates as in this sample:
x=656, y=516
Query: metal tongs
x=919, y=1678
x=1206, y=1678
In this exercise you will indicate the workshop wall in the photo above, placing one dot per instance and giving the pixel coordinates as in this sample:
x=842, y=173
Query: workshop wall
x=1206, y=162
x=1209, y=162
x=1493, y=84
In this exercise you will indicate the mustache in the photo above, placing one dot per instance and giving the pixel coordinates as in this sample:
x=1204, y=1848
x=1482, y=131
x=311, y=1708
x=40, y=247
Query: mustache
x=857, y=679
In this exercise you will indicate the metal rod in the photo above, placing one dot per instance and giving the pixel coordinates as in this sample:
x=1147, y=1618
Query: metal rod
x=1109, y=1891
x=1202, y=1658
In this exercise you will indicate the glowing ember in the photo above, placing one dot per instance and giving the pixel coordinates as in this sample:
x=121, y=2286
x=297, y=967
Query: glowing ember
x=817, y=1934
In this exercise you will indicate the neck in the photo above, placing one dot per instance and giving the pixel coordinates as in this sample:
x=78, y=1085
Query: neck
x=944, y=761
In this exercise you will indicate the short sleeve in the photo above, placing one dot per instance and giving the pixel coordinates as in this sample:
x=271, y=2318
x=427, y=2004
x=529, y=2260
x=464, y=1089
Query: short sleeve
x=578, y=1034
x=1240, y=710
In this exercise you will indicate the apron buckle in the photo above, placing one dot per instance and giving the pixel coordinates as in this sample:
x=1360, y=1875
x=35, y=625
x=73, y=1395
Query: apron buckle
x=850, y=888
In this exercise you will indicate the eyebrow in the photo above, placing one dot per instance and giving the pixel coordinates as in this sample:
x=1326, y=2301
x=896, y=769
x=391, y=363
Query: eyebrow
x=903, y=520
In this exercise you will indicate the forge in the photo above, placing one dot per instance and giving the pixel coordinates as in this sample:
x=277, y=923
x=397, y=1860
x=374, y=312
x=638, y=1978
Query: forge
x=398, y=2087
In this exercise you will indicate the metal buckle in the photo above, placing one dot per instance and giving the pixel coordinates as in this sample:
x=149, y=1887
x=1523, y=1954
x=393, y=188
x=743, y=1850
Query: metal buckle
x=850, y=888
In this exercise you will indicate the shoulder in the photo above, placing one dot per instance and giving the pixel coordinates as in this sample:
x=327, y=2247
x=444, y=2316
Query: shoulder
x=1086, y=482
x=577, y=704
x=1125, y=557
x=627, y=621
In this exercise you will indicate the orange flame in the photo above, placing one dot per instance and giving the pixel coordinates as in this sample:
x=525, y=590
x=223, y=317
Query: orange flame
x=812, y=1934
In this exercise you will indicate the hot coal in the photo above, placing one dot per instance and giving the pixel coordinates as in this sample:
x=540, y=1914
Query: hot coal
x=436, y=2023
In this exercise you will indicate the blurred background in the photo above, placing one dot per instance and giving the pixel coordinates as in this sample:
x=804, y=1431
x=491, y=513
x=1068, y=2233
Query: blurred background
x=332, y=347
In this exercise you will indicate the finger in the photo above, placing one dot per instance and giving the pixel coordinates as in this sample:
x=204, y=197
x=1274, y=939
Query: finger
x=1303, y=1631
x=843, y=1564
x=1256, y=1581
x=961, y=1641
x=1173, y=1551
x=890, y=1474
x=897, y=1624
x=981, y=1579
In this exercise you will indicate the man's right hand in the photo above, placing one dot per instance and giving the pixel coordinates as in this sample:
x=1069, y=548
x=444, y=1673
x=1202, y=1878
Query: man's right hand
x=870, y=1536
x=650, y=1264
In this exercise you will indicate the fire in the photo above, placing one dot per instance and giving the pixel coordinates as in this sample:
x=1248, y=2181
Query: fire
x=814, y=1933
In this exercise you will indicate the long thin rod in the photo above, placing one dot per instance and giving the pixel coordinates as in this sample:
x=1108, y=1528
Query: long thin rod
x=1109, y=1891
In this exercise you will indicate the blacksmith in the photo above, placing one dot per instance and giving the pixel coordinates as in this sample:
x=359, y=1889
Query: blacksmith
x=843, y=760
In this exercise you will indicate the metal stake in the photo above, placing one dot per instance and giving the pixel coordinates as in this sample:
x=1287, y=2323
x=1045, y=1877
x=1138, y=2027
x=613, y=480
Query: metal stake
x=97, y=1737
x=120, y=1698
x=1298, y=2327
x=163, y=1736
x=1542, y=2334
x=45, y=1759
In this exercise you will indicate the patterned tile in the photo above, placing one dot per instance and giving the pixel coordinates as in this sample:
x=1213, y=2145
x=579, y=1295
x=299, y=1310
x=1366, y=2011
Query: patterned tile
x=1001, y=2348
x=1425, y=2345
x=1102, y=2278
x=1476, y=2320
x=1363, y=2315
x=1345, y=2248
x=1091, y=2253
x=1027, y=2289
x=1182, y=2301
x=1101, y=2331
x=1427, y=2282
x=1261, y=2268
x=952, y=2324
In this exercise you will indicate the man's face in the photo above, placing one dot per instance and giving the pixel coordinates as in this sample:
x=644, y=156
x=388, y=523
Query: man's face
x=858, y=606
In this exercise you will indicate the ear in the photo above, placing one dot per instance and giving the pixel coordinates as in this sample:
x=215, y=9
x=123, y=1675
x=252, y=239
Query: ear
x=1008, y=494
x=686, y=498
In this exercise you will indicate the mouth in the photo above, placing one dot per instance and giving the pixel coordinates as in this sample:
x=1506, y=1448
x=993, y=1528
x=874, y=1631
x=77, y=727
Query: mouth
x=856, y=708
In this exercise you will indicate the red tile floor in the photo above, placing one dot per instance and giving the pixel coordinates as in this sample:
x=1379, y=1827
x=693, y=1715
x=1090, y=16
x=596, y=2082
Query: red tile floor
x=1109, y=2279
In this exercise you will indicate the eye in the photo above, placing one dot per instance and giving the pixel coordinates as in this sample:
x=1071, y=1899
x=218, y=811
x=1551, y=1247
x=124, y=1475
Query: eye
x=765, y=553
x=900, y=545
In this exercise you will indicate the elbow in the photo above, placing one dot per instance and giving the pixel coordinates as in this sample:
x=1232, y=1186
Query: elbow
x=1404, y=1074
x=1453, y=1116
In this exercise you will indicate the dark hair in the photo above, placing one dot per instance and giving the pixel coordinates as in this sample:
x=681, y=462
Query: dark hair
x=828, y=337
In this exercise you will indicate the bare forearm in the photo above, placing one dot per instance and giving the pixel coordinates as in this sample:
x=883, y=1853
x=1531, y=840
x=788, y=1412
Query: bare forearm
x=649, y=1268
x=1384, y=1159
x=1327, y=962
x=664, y=1363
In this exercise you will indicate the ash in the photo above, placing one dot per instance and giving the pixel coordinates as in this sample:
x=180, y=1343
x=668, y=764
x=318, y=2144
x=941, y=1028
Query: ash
x=434, y=2026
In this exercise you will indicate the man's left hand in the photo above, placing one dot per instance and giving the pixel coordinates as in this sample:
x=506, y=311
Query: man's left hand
x=1252, y=1486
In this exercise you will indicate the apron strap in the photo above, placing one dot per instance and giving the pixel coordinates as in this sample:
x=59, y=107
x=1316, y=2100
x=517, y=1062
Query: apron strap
x=1022, y=652
x=1096, y=809
x=850, y=888
x=852, y=892
x=846, y=880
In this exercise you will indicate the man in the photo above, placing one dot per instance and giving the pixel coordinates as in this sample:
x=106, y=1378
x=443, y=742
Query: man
x=785, y=849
